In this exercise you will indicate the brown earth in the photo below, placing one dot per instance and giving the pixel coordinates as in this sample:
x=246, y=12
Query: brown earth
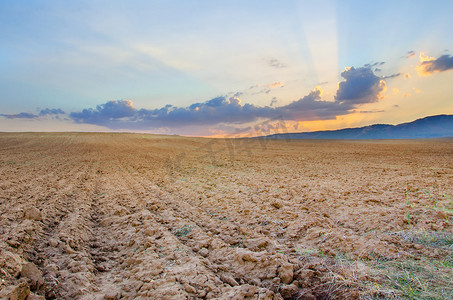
x=109, y=216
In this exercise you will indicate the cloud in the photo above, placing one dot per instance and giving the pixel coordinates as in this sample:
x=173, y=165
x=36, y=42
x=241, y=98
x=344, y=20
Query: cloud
x=121, y=114
x=51, y=111
x=361, y=85
x=22, y=115
x=370, y=111
x=429, y=65
x=105, y=113
x=311, y=107
x=275, y=63
x=410, y=54
x=276, y=84
x=44, y=112
x=379, y=63
x=264, y=89
x=273, y=101
x=391, y=76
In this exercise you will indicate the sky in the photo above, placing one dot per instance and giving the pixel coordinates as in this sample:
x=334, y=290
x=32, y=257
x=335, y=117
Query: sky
x=222, y=68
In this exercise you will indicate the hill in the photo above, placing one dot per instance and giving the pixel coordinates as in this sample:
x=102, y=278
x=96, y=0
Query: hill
x=429, y=127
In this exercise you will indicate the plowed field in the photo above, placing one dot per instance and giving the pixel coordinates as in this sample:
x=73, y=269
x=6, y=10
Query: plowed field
x=110, y=216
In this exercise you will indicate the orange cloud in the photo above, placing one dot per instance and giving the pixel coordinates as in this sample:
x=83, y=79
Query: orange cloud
x=318, y=88
x=429, y=65
x=276, y=84
x=383, y=89
x=424, y=64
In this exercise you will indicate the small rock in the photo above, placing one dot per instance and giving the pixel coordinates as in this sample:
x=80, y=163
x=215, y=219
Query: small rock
x=256, y=244
x=111, y=295
x=246, y=255
x=30, y=271
x=72, y=244
x=68, y=250
x=15, y=292
x=203, y=252
x=101, y=268
x=130, y=261
x=288, y=291
x=13, y=243
x=53, y=243
x=121, y=211
x=228, y=279
x=245, y=290
x=305, y=274
x=285, y=273
x=190, y=289
x=32, y=213
x=35, y=297
x=277, y=205
x=150, y=231
x=417, y=247
x=441, y=215
x=10, y=263
x=306, y=295
x=153, y=207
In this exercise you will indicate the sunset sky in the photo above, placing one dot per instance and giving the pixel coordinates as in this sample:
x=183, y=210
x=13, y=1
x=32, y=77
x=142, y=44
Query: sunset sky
x=219, y=68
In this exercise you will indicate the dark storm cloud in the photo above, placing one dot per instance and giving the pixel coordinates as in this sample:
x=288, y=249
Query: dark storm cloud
x=440, y=64
x=361, y=85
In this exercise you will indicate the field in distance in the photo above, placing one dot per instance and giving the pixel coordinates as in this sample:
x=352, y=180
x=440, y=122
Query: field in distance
x=110, y=216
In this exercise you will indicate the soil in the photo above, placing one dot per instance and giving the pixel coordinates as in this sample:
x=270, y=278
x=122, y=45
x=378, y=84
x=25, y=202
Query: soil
x=110, y=216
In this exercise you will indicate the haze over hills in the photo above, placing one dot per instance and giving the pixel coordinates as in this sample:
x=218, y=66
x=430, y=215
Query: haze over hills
x=438, y=126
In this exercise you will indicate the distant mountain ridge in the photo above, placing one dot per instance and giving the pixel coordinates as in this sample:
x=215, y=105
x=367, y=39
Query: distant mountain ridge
x=438, y=126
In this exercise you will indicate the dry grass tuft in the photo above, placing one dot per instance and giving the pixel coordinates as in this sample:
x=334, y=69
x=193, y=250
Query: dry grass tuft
x=430, y=238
